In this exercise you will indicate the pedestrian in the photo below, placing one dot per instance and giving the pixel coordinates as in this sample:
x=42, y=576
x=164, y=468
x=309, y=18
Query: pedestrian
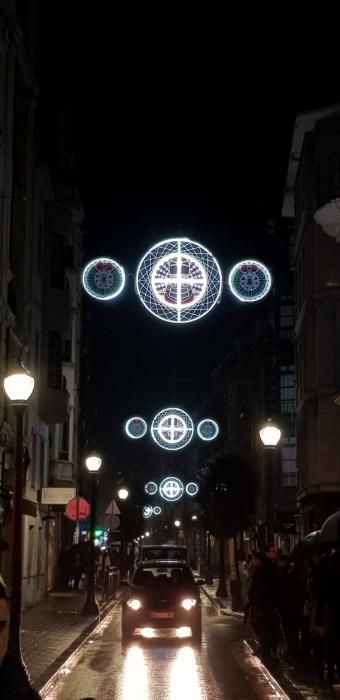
x=264, y=604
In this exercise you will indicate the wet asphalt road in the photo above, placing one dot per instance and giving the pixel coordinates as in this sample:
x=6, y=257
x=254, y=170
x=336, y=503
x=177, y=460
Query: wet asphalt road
x=161, y=669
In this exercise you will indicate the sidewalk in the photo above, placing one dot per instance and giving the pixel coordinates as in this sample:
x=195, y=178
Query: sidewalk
x=52, y=629
x=298, y=681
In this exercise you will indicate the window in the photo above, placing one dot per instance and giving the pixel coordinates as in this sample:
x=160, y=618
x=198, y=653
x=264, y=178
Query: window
x=57, y=267
x=288, y=462
x=54, y=360
x=286, y=319
x=287, y=388
x=42, y=462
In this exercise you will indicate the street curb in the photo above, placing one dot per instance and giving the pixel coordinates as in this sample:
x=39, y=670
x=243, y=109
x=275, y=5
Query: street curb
x=219, y=605
x=49, y=678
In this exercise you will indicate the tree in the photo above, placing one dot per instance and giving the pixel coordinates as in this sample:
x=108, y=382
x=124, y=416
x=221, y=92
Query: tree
x=227, y=497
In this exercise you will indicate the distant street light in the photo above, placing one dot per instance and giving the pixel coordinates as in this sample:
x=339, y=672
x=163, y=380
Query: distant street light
x=18, y=385
x=270, y=436
x=177, y=523
x=123, y=494
x=194, y=517
x=93, y=463
x=147, y=534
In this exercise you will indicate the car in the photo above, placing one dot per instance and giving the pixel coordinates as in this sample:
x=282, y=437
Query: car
x=163, y=551
x=163, y=595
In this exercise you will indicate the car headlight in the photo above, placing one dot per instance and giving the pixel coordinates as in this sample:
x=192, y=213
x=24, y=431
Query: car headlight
x=134, y=603
x=188, y=603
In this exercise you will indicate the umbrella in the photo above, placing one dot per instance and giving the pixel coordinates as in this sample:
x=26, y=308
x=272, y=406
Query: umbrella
x=330, y=531
x=308, y=547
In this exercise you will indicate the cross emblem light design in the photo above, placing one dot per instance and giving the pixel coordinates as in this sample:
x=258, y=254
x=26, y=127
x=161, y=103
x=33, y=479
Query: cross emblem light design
x=172, y=429
x=171, y=489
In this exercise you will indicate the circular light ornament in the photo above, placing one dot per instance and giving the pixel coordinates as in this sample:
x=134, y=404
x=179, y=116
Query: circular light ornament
x=250, y=280
x=171, y=489
x=157, y=510
x=151, y=488
x=136, y=427
x=207, y=429
x=172, y=429
x=178, y=280
x=147, y=511
x=103, y=278
x=191, y=488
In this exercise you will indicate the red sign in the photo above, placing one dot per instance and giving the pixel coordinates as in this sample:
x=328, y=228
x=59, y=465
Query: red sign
x=77, y=509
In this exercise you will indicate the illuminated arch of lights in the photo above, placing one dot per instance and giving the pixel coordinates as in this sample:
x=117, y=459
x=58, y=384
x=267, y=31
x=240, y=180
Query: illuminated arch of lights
x=151, y=488
x=147, y=511
x=171, y=489
x=172, y=429
x=250, y=280
x=207, y=429
x=103, y=278
x=178, y=280
x=136, y=427
x=192, y=488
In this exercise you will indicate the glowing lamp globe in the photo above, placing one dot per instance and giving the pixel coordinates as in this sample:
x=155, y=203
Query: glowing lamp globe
x=270, y=434
x=93, y=463
x=19, y=385
x=177, y=523
x=123, y=494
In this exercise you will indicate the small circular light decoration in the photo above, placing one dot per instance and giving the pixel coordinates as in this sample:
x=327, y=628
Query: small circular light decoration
x=172, y=429
x=250, y=280
x=171, y=489
x=191, y=488
x=179, y=280
x=103, y=278
x=151, y=488
x=157, y=510
x=147, y=511
x=207, y=429
x=136, y=427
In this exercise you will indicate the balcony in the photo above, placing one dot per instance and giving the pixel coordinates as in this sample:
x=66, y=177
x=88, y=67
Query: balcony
x=61, y=471
x=289, y=480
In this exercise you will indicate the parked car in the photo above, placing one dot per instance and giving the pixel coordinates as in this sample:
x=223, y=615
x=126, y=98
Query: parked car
x=163, y=595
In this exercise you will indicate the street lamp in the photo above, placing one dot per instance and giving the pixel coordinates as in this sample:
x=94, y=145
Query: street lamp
x=194, y=517
x=93, y=463
x=123, y=493
x=177, y=523
x=270, y=436
x=18, y=385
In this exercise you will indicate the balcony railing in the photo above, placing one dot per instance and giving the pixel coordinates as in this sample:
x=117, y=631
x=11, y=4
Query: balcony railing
x=61, y=471
x=289, y=479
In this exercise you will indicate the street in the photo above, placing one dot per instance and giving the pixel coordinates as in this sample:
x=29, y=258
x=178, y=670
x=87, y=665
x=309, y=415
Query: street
x=164, y=669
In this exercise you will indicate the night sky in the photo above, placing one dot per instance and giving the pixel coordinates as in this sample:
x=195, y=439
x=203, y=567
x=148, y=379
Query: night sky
x=176, y=132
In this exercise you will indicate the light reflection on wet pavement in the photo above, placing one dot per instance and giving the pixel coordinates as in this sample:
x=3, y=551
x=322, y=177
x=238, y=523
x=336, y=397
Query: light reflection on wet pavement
x=161, y=669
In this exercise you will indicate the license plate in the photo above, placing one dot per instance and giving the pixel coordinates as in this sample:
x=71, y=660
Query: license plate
x=162, y=615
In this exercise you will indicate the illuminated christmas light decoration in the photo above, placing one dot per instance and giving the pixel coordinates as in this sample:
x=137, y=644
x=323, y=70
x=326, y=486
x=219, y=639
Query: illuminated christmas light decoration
x=136, y=427
x=157, y=510
x=191, y=488
x=103, y=278
x=172, y=429
x=250, y=280
x=147, y=511
x=207, y=429
x=178, y=280
x=171, y=489
x=151, y=488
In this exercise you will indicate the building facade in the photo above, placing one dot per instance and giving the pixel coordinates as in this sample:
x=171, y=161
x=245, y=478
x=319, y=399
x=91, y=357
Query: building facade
x=312, y=181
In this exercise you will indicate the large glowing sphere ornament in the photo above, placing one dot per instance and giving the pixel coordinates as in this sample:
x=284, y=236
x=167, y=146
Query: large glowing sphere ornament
x=103, y=278
x=171, y=489
x=179, y=280
x=147, y=511
x=191, y=488
x=250, y=280
x=172, y=429
x=151, y=488
x=136, y=427
x=207, y=429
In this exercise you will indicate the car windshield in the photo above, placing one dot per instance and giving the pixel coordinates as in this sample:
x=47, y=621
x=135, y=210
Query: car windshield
x=163, y=576
x=149, y=553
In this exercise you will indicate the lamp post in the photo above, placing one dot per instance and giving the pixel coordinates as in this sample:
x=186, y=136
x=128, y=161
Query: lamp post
x=123, y=494
x=93, y=463
x=270, y=436
x=18, y=385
